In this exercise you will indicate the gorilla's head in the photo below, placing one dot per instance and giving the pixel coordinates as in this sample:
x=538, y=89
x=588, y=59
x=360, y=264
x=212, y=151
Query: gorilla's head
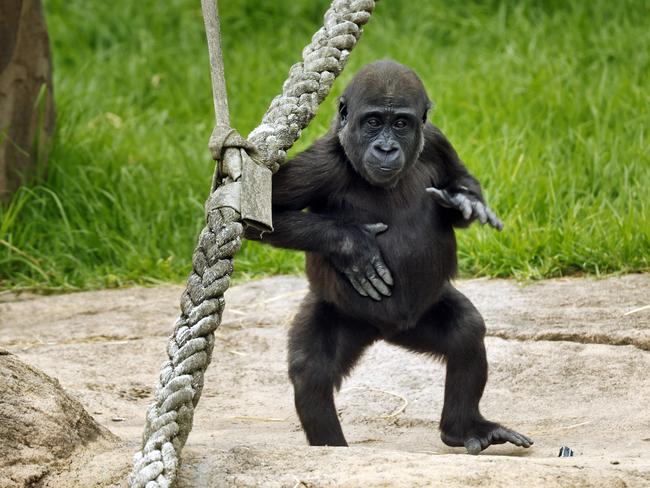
x=381, y=119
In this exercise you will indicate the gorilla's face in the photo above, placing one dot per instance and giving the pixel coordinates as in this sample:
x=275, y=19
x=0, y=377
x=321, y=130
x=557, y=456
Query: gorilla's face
x=381, y=118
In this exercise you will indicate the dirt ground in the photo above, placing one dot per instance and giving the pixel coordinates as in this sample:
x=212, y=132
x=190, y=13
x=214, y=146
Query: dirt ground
x=569, y=366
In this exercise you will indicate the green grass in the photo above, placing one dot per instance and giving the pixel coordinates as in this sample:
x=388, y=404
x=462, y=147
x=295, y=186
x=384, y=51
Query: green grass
x=547, y=102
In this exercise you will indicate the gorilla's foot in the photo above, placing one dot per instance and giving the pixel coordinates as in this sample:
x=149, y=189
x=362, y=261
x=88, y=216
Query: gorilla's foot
x=483, y=434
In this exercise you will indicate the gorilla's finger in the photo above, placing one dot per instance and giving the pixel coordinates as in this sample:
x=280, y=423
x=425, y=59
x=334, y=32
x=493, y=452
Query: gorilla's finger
x=355, y=284
x=369, y=289
x=382, y=270
x=376, y=228
x=500, y=436
x=512, y=437
x=479, y=210
x=527, y=439
x=436, y=192
x=465, y=206
x=376, y=281
x=493, y=219
x=441, y=196
x=524, y=441
x=473, y=446
x=516, y=439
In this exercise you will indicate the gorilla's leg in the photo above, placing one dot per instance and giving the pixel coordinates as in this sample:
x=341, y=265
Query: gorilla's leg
x=323, y=347
x=454, y=329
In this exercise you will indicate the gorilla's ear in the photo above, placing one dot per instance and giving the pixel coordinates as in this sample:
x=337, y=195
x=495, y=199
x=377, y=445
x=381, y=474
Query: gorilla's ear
x=426, y=111
x=343, y=111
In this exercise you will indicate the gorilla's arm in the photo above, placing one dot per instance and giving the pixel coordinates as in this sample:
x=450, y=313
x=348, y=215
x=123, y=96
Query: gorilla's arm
x=352, y=249
x=455, y=188
x=297, y=185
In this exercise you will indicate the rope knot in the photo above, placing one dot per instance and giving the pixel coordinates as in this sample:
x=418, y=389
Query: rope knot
x=225, y=137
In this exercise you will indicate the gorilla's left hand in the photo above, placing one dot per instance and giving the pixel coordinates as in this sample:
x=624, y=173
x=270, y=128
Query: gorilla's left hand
x=470, y=206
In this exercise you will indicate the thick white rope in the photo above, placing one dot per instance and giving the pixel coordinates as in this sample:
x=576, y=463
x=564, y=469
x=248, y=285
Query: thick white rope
x=189, y=350
x=310, y=81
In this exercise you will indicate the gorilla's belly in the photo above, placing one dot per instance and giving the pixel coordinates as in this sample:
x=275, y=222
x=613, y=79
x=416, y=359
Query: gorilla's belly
x=421, y=260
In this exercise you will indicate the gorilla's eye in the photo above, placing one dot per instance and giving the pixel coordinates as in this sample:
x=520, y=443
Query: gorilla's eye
x=373, y=122
x=400, y=124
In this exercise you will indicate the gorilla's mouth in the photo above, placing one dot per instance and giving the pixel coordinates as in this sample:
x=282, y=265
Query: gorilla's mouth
x=385, y=171
x=383, y=175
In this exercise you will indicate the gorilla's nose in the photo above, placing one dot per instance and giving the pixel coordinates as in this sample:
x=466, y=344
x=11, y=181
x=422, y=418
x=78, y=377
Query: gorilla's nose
x=386, y=151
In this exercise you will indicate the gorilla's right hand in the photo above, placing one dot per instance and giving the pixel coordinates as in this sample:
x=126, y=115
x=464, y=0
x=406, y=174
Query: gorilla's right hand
x=358, y=257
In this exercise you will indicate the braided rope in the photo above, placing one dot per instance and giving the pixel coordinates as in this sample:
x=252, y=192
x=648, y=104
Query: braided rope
x=189, y=350
x=310, y=81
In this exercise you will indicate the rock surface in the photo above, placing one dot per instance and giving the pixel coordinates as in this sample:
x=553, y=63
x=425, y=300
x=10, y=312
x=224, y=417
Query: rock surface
x=569, y=362
x=40, y=425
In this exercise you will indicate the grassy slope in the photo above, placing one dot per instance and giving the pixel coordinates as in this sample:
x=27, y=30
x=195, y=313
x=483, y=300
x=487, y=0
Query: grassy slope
x=548, y=105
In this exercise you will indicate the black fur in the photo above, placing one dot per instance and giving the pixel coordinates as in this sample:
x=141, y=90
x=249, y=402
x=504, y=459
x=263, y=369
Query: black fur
x=364, y=173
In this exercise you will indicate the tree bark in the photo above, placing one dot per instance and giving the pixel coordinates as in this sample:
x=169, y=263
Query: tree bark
x=26, y=93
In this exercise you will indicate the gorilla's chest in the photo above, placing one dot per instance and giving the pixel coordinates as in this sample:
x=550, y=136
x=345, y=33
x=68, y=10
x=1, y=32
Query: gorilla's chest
x=419, y=246
x=412, y=220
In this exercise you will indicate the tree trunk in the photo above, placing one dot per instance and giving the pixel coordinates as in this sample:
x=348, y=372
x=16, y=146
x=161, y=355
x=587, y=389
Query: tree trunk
x=26, y=97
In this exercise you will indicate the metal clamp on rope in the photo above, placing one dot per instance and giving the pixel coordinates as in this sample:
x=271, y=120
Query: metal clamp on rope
x=240, y=181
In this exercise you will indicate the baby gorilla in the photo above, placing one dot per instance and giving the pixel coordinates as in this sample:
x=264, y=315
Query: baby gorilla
x=384, y=190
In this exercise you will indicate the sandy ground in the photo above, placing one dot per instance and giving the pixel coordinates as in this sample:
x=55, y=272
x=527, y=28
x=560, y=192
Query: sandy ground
x=569, y=366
